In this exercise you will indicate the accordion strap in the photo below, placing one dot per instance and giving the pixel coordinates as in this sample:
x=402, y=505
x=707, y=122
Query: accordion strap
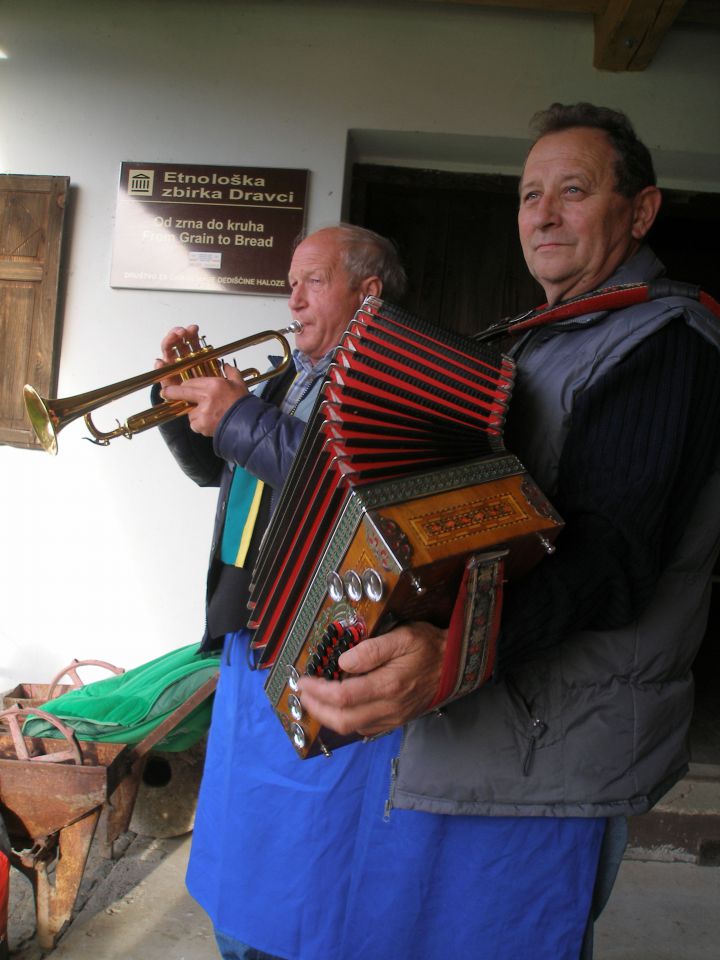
x=609, y=298
x=473, y=630
x=474, y=626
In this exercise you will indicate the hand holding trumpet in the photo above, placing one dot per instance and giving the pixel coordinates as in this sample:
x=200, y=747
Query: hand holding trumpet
x=211, y=396
x=177, y=343
x=48, y=416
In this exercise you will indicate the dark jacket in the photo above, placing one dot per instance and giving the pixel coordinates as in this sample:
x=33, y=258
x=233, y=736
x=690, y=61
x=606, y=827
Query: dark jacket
x=597, y=723
x=254, y=435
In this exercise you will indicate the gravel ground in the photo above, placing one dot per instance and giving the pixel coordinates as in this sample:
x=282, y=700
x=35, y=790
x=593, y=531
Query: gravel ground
x=105, y=883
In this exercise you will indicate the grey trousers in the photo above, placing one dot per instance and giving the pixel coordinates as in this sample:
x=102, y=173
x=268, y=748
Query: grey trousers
x=611, y=853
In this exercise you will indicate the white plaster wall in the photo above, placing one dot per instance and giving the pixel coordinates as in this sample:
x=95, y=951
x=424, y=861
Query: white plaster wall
x=103, y=552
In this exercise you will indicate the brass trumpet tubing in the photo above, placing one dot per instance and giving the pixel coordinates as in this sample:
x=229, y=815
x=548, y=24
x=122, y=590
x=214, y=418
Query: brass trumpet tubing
x=203, y=367
x=168, y=409
x=48, y=416
x=138, y=422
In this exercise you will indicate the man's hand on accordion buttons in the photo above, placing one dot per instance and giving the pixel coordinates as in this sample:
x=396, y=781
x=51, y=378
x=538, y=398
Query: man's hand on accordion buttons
x=388, y=680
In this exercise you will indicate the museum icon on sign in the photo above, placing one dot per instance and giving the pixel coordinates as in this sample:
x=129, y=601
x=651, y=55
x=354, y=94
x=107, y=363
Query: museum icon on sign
x=140, y=183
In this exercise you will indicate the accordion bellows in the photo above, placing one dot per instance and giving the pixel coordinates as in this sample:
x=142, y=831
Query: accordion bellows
x=402, y=504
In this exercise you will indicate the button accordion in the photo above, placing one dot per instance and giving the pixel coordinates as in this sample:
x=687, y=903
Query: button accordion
x=402, y=504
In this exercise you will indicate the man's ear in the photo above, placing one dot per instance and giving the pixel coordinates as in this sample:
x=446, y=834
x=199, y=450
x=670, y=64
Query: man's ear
x=370, y=287
x=645, y=208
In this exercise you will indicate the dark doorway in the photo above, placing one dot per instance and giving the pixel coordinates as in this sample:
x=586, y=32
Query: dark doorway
x=684, y=236
x=457, y=236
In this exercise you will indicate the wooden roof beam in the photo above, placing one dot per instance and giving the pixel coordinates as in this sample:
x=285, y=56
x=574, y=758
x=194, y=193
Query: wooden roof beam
x=629, y=32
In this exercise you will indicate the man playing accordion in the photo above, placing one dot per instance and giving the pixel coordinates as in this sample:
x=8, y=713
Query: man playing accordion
x=492, y=829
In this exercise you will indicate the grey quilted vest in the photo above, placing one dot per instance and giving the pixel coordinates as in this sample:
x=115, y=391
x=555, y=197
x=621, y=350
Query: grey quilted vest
x=598, y=726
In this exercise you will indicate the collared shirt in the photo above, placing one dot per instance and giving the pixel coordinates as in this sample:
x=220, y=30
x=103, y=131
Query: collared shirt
x=307, y=374
x=244, y=498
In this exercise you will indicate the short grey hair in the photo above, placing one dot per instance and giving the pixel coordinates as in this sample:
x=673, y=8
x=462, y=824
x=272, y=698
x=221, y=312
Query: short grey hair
x=365, y=253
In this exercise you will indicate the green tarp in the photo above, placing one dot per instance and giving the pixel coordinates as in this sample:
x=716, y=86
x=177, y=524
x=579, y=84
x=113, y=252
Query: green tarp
x=128, y=707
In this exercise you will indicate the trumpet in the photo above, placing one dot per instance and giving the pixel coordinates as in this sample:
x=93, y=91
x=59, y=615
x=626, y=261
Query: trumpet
x=49, y=416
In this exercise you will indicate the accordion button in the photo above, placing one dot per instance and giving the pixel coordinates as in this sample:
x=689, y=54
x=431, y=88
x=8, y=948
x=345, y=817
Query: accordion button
x=372, y=585
x=295, y=707
x=354, y=634
x=293, y=677
x=335, y=587
x=353, y=586
x=298, y=735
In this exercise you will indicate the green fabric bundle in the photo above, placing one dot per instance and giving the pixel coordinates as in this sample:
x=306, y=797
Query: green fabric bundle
x=128, y=707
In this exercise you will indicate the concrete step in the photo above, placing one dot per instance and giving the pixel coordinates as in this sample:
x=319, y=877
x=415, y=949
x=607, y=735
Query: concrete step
x=685, y=824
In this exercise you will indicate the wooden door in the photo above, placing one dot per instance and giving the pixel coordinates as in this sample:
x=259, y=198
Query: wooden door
x=32, y=211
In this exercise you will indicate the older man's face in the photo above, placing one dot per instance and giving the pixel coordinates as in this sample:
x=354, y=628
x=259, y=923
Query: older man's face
x=322, y=297
x=575, y=228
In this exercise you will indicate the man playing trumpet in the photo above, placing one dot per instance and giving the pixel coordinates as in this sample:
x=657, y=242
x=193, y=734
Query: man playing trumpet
x=245, y=443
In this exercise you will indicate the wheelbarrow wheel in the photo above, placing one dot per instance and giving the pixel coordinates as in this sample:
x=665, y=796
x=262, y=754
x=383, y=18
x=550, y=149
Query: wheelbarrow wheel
x=71, y=671
x=15, y=716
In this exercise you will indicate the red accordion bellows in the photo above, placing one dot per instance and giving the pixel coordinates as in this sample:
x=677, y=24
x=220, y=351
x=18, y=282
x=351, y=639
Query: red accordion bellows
x=400, y=482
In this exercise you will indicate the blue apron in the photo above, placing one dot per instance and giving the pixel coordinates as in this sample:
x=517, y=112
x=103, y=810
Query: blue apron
x=299, y=859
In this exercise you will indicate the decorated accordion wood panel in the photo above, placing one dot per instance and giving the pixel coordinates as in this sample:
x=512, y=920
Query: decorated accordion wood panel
x=402, y=476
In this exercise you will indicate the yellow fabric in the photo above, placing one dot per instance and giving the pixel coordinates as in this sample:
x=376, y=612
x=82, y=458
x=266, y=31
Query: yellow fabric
x=249, y=525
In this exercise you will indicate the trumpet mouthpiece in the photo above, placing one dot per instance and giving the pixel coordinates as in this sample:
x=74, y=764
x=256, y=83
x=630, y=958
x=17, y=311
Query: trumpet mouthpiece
x=294, y=326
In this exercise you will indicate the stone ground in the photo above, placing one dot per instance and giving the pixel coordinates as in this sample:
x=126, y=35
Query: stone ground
x=136, y=908
x=107, y=885
x=665, y=906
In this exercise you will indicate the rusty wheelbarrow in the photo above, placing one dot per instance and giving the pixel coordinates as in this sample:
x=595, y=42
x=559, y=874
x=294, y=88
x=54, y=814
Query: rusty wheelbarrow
x=52, y=795
x=35, y=694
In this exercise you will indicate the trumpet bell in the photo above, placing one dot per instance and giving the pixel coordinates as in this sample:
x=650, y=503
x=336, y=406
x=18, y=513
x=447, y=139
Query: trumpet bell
x=48, y=417
x=41, y=419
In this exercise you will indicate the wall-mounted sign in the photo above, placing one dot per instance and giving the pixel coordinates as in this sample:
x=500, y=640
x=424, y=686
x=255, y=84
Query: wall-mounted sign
x=217, y=229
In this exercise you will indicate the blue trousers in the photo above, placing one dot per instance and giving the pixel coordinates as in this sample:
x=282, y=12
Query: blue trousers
x=231, y=949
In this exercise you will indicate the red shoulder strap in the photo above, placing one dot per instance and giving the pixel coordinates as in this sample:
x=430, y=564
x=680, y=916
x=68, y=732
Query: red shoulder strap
x=609, y=298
